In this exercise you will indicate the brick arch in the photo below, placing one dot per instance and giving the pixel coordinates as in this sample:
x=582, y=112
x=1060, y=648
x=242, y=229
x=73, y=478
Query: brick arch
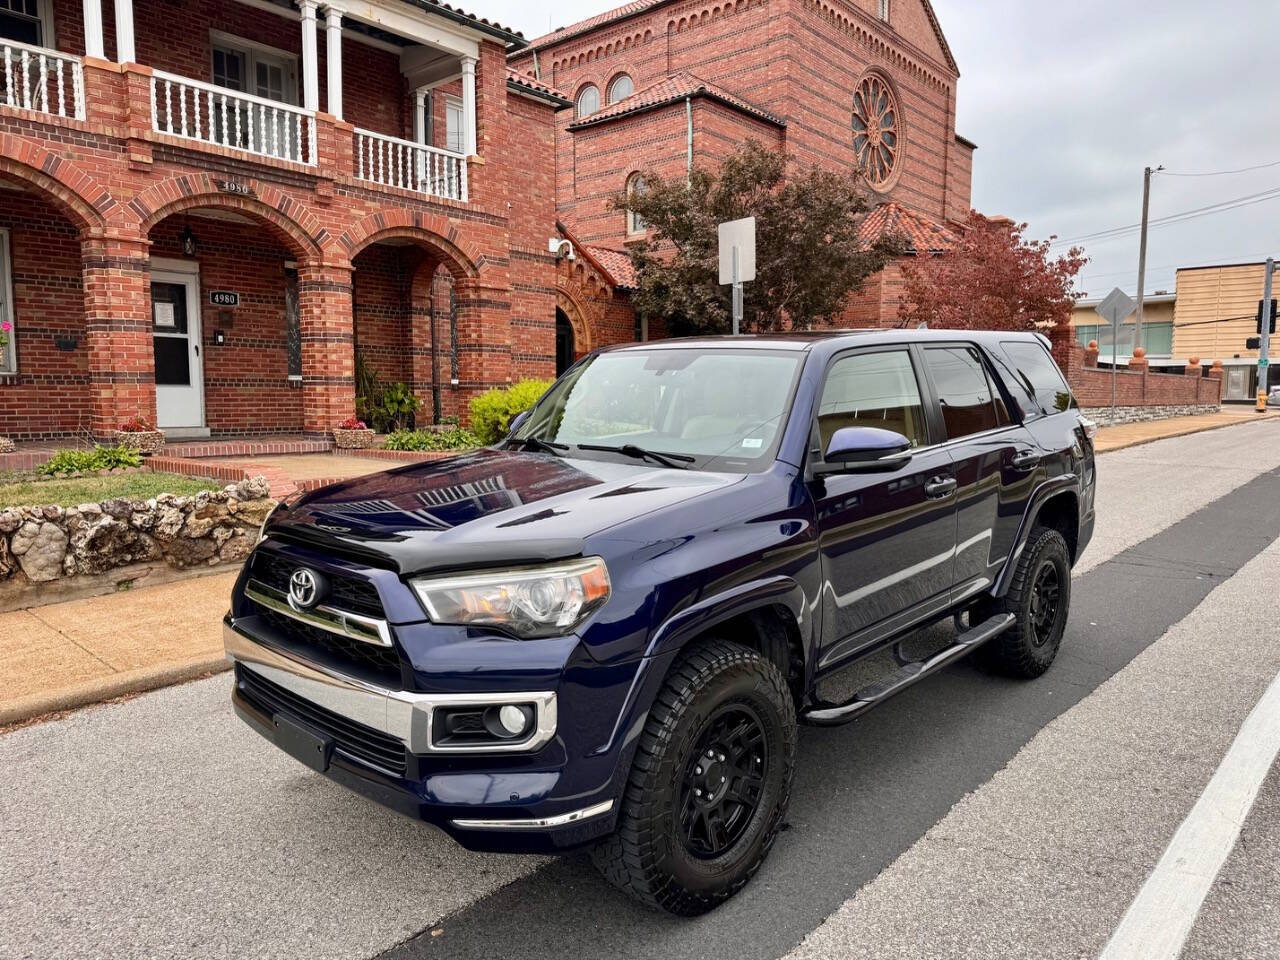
x=77, y=195
x=584, y=339
x=435, y=233
x=299, y=229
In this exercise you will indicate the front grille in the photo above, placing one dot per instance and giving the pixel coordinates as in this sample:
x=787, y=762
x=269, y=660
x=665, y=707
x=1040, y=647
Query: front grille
x=345, y=593
x=355, y=740
x=353, y=656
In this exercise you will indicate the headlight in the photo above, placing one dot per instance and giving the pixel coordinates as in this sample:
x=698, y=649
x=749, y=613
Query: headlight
x=534, y=602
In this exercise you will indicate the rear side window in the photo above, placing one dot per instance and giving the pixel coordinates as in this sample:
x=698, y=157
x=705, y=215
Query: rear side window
x=965, y=394
x=1039, y=375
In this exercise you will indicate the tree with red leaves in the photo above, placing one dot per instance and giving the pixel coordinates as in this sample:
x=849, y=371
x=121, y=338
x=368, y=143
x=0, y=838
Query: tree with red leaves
x=994, y=279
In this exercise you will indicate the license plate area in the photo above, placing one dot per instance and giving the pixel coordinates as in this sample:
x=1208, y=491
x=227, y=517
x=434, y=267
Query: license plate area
x=303, y=743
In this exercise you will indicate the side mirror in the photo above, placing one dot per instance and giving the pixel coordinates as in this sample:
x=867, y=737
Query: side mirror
x=517, y=422
x=854, y=449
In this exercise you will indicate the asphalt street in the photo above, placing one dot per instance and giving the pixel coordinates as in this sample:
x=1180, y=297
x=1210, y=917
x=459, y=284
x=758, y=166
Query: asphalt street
x=970, y=816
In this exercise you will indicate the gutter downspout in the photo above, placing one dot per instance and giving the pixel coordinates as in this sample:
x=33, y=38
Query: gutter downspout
x=688, y=117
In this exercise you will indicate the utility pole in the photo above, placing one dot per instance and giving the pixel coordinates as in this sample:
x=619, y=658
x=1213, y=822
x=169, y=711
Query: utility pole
x=1264, y=335
x=1138, y=339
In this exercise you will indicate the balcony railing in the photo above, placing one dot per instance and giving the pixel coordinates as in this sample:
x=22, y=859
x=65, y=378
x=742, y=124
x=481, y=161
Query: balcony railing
x=43, y=80
x=393, y=162
x=228, y=118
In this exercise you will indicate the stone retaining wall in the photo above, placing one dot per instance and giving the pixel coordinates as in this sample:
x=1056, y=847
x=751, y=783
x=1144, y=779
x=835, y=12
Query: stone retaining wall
x=1102, y=415
x=44, y=544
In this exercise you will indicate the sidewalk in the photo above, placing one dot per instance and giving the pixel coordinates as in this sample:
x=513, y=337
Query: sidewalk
x=1134, y=434
x=66, y=655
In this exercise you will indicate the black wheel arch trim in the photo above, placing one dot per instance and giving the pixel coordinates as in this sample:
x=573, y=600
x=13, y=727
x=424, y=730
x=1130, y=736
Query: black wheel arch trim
x=1047, y=490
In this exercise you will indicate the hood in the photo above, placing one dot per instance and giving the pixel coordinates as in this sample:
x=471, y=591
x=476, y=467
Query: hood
x=487, y=507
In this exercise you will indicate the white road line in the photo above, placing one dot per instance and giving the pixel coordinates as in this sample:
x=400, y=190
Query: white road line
x=1157, y=923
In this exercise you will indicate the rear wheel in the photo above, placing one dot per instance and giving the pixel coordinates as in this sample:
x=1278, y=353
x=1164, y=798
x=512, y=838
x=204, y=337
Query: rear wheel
x=1039, y=598
x=709, y=784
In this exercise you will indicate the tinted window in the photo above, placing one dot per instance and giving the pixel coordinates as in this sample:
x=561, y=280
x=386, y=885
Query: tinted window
x=1039, y=375
x=872, y=390
x=964, y=391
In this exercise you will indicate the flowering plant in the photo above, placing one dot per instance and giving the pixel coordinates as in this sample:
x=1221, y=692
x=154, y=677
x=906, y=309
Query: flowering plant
x=352, y=423
x=5, y=327
x=135, y=425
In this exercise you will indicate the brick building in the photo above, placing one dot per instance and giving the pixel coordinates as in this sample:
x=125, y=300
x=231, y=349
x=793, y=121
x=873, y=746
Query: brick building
x=664, y=85
x=187, y=236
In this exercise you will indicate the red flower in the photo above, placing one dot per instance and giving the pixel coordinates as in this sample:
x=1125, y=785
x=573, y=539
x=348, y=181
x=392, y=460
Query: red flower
x=351, y=423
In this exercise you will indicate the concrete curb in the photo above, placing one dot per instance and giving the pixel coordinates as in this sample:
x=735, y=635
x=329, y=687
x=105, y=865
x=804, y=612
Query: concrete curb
x=115, y=685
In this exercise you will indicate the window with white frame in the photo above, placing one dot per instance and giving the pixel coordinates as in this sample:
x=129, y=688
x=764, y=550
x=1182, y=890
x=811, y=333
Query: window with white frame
x=588, y=100
x=621, y=88
x=27, y=21
x=249, y=67
x=8, y=349
x=454, y=141
x=884, y=10
x=635, y=188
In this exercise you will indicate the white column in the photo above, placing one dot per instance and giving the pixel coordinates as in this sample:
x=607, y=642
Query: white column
x=310, y=76
x=469, y=106
x=93, y=29
x=333, y=33
x=125, y=52
x=420, y=132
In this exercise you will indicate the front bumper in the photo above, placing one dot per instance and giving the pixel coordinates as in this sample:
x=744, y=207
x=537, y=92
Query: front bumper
x=378, y=741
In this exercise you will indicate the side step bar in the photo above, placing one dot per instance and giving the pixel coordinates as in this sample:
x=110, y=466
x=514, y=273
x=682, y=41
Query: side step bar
x=832, y=715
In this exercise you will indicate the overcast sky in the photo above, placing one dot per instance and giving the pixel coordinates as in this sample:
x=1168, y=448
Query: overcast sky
x=1069, y=101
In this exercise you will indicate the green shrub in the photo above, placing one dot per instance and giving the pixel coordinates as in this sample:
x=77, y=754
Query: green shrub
x=384, y=406
x=454, y=438
x=493, y=411
x=91, y=461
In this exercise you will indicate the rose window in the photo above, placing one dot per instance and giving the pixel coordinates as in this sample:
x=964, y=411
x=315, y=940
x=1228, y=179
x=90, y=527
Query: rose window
x=875, y=130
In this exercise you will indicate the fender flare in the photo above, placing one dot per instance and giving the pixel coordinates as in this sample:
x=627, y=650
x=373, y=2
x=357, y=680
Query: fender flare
x=1052, y=487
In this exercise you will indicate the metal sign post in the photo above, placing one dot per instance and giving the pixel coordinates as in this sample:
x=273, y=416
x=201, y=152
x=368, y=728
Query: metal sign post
x=1114, y=308
x=737, y=260
x=1264, y=336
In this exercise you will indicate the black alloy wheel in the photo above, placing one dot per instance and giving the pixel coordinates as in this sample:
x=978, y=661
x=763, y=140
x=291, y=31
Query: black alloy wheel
x=1046, y=596
x=723, y=782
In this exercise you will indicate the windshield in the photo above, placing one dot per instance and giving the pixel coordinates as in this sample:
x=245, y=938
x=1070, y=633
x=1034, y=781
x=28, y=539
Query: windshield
x=717, y=409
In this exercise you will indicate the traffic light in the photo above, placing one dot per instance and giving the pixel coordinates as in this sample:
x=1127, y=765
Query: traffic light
x=1272, y=329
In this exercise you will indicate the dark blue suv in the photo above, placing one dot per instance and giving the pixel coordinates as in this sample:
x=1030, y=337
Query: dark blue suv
x=605, y=629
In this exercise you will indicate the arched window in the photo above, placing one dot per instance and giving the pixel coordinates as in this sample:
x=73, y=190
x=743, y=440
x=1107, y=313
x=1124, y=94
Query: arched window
x=877, y=130
x=635, y=188
x=588, y=100
x=621, y=88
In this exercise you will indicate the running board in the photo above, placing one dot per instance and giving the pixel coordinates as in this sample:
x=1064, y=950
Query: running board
x=832, y=715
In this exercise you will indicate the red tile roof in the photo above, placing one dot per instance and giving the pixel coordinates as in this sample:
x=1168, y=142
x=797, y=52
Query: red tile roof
x=617, y=264
x=585, y=26
x=669, y=90
x=537, y=87
x=922, y=234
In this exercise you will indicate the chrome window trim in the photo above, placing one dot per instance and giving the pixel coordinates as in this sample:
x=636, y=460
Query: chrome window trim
x=541, y=823
x=354, y=626
x=402, y=714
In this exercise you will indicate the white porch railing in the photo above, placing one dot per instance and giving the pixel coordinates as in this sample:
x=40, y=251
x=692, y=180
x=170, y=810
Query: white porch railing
x=36, y=78
x=228, y=118
x=393, y=162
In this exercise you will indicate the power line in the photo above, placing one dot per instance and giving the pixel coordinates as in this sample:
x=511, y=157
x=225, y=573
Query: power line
x=1220, y=207
x=1224, y=173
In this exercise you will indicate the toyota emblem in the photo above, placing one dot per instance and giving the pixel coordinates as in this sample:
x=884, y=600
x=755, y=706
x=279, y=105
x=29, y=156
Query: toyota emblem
x=304, y=588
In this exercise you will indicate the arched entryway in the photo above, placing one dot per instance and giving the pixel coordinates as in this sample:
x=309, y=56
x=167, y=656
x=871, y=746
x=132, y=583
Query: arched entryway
x=564, y=342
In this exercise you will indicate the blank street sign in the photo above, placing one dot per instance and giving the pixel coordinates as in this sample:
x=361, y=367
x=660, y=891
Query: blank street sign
x=740, y=235
x=1116, y=306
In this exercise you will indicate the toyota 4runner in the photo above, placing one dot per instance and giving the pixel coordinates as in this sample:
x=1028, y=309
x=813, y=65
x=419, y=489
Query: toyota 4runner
x=604, y=629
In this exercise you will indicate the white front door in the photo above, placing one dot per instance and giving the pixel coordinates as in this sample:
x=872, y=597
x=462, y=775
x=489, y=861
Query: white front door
x=175, y=326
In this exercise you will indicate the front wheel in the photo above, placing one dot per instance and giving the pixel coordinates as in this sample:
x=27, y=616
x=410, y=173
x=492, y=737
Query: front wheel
x=709, y=784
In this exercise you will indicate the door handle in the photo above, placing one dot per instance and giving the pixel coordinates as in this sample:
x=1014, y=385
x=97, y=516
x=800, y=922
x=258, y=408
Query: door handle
x=940, y=488
x=1026, y=460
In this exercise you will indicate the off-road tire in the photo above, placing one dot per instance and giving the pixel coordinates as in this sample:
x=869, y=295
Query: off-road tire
x=1018, y=652
x=645, y=856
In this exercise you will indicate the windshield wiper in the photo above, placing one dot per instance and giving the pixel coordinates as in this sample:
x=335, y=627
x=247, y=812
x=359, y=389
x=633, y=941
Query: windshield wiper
x=548, y=446
x=677, y=460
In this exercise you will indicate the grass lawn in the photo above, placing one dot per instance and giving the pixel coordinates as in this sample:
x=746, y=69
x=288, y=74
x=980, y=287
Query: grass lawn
x=73, y=492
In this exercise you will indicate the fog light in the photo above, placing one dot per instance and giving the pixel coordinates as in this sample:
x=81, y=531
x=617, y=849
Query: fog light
x=508, y=721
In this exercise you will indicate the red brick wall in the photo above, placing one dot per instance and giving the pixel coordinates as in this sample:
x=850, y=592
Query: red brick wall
x=49, y=396
x=381, y=296
x=1092, y=386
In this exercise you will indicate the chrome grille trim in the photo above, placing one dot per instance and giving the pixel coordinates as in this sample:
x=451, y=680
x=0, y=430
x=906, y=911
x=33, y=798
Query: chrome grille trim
x=355, y=626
